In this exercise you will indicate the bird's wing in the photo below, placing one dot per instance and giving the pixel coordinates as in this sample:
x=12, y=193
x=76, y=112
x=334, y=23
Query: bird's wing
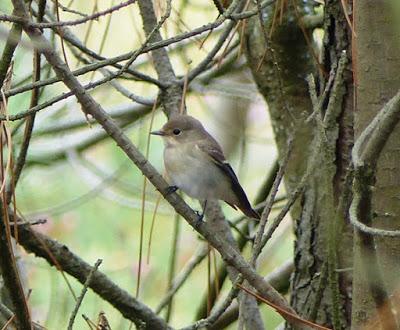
x=213, y=151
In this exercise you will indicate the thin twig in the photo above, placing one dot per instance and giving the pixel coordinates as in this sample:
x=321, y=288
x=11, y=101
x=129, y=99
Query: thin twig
x=13, y=39
x=180, y=279
x=17, y=170
x=69, y=23
x=269, y=203
x=83, y=292
x=288, y=316
x=219, y=6
x=8, y=265
x=173, y=261
x=216, y=312
x=143, y=203
x=72, y=11
x=279, y=278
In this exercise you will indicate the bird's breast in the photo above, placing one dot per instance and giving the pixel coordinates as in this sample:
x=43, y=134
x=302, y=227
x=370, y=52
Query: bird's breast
x=194, y=173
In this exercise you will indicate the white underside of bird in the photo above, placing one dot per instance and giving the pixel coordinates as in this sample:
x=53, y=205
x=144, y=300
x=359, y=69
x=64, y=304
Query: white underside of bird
x=197, y=179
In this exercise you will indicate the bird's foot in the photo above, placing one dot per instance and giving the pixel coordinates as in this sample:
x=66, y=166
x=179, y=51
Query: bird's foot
x=170, y=190
x=199, y=220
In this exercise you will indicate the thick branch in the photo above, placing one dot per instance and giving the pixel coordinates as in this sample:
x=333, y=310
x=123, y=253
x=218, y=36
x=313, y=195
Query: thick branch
x=171, y=96
x=11, y=277
x=12, y=41
x=52, y=251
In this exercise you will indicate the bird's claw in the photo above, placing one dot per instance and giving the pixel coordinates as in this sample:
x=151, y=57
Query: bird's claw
x=170, y=190
x=199, y=220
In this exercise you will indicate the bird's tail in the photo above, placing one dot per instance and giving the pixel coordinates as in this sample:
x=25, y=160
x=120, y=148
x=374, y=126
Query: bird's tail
x=246, y=209
x=250, y=212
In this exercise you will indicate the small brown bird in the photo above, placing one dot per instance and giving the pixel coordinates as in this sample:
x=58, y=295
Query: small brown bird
x=195, y=163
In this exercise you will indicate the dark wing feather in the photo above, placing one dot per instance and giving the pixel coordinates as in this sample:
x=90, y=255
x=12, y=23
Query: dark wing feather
x=214, y=151
x=231, y=205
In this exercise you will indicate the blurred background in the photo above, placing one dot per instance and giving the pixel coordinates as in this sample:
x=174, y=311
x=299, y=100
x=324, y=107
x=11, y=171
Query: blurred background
x=89, y=192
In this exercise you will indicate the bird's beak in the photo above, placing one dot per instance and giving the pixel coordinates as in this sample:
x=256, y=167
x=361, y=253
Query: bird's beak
x=159, y=132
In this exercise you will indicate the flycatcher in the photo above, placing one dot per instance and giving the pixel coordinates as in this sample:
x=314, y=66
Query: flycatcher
x=195, y=163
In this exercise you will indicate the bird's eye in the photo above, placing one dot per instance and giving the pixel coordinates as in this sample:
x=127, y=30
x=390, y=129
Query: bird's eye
x=176, y=131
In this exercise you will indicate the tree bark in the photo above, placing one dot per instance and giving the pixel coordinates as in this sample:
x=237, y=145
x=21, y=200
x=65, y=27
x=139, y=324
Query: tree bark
x=377, y=67
x=318, y=291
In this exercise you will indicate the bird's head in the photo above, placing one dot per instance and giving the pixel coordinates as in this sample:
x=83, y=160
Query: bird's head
x=181, y=129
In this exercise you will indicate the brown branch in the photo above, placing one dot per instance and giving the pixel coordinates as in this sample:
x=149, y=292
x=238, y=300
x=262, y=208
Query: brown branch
x=126, y=112
x=16, y=19
x=9, y=272
x=83, y=293
x=220, y=227
x=81, y=145
x=81, y=71
x=129, y=307
x=200, y=68
x=9, y=316
x=8, y=266
x=17, y=170
x=180, y=279
x=13, y=39
x=258, y=243
x=294, y=319
x=279, y=279
x=219, y=6
x=171, y=97
x=173, y=261
x=72, y=11
x=55, y=99
x=215, y=314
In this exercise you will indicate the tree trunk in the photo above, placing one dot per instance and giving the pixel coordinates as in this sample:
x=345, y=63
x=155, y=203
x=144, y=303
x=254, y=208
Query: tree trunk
x=319, y=292
x=377, y=67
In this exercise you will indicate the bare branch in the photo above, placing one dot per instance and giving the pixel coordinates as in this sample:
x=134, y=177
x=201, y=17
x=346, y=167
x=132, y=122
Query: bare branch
x=172, y=95
x=13, y=39
x=180, y=279
x=279, y=279
x=258, y=242
x=9, y=272
x=129, y=307
x=95, y=16
x=30, y=121
x=83, y=292
x=365, y=156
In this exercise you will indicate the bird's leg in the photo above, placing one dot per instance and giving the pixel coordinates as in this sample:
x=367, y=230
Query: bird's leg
x=201, y=215
x=170, y=190
x=204, y=206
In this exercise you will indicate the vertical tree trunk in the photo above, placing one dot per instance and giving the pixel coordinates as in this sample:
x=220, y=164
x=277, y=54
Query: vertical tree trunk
x=319, y=291
x=377, y=67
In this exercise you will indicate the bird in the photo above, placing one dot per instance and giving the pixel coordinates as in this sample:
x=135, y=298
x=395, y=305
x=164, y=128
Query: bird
x=195, y=163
